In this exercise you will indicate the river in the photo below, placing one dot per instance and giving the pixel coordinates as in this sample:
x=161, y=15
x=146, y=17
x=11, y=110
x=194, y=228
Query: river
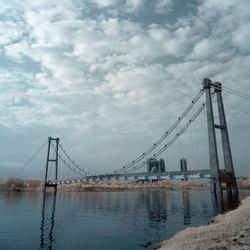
x=100, y=220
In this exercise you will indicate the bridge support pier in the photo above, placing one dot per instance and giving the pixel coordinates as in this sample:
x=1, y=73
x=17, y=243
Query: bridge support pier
x=52, y=161
x=217, y=176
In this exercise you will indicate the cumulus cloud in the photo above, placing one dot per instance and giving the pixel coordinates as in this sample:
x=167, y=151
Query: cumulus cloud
x=105, y=3
x=163, y=6
x=133, y=5
x=102, y=70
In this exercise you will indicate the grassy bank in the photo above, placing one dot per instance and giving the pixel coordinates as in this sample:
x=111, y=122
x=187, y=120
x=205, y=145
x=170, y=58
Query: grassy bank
x=17, y=184
x=132, y=185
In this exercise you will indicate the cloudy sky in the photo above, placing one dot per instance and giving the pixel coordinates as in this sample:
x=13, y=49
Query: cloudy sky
x=110, y=76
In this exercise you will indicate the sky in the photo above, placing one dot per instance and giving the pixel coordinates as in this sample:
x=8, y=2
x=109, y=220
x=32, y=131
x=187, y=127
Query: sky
x=108, y=77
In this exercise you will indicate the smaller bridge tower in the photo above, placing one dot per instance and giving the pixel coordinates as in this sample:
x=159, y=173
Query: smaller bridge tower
x=155, y=166
x=52, y=160
x=218, y=176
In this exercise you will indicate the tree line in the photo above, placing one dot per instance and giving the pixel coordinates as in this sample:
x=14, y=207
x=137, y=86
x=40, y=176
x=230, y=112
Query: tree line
x=18, y=184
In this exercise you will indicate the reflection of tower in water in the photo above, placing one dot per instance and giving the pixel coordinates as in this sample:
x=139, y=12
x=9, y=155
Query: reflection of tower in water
x=222, y=203
x=157, y=206
x=48, y=220
x=186, y=208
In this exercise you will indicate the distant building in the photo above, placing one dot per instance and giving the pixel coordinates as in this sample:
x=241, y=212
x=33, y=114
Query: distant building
x=183, y=164
x=155, y=166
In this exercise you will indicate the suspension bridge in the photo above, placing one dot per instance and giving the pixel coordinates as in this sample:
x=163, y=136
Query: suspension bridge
x=134, y=170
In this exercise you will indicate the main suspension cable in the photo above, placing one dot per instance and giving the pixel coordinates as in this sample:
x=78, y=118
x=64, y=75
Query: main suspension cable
x=163, y=137
x=233, y=91
x=236, y=92
x=72, y=162
x=183, y=129
x=78, y=171
x=70, y=167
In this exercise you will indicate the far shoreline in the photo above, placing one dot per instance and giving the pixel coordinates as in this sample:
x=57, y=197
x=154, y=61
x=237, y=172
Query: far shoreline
x=18, y=185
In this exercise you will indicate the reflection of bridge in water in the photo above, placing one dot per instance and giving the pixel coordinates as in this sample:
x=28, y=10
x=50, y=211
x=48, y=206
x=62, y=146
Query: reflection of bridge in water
x=158, y=210
x=48, y=220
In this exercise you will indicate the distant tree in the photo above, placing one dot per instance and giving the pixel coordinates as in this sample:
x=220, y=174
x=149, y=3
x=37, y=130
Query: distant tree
x=33, y=183
x=14, y=184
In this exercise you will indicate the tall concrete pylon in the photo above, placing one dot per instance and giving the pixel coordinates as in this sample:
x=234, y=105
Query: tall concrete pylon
x=54, y=161
x=213, y=151
x=218, y=176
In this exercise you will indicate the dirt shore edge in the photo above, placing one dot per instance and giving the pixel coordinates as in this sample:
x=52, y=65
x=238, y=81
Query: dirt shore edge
x=229, y=231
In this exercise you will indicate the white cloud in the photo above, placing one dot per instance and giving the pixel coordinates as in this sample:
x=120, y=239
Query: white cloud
x=113, y=76
x=9, y=32
x=133, y=5
x=15, y=50
x=163, y=6
x=241, y=38
x=206, y=48
x=221, y=5
x=105, y=3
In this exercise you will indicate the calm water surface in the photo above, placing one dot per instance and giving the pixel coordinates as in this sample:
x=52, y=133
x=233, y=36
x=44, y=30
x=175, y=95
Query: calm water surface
x=100, y=220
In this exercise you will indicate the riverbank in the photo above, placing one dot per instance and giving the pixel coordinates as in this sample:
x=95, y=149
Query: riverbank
x=132, y=185
x=228, y=231
x=17, y=184
x=144, y=185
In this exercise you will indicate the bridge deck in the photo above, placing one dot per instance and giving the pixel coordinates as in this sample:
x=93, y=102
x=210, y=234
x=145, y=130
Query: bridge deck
x=173, y=175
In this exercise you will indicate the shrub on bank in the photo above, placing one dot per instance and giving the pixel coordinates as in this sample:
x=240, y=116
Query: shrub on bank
x=33, y=183
x=15, y=184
